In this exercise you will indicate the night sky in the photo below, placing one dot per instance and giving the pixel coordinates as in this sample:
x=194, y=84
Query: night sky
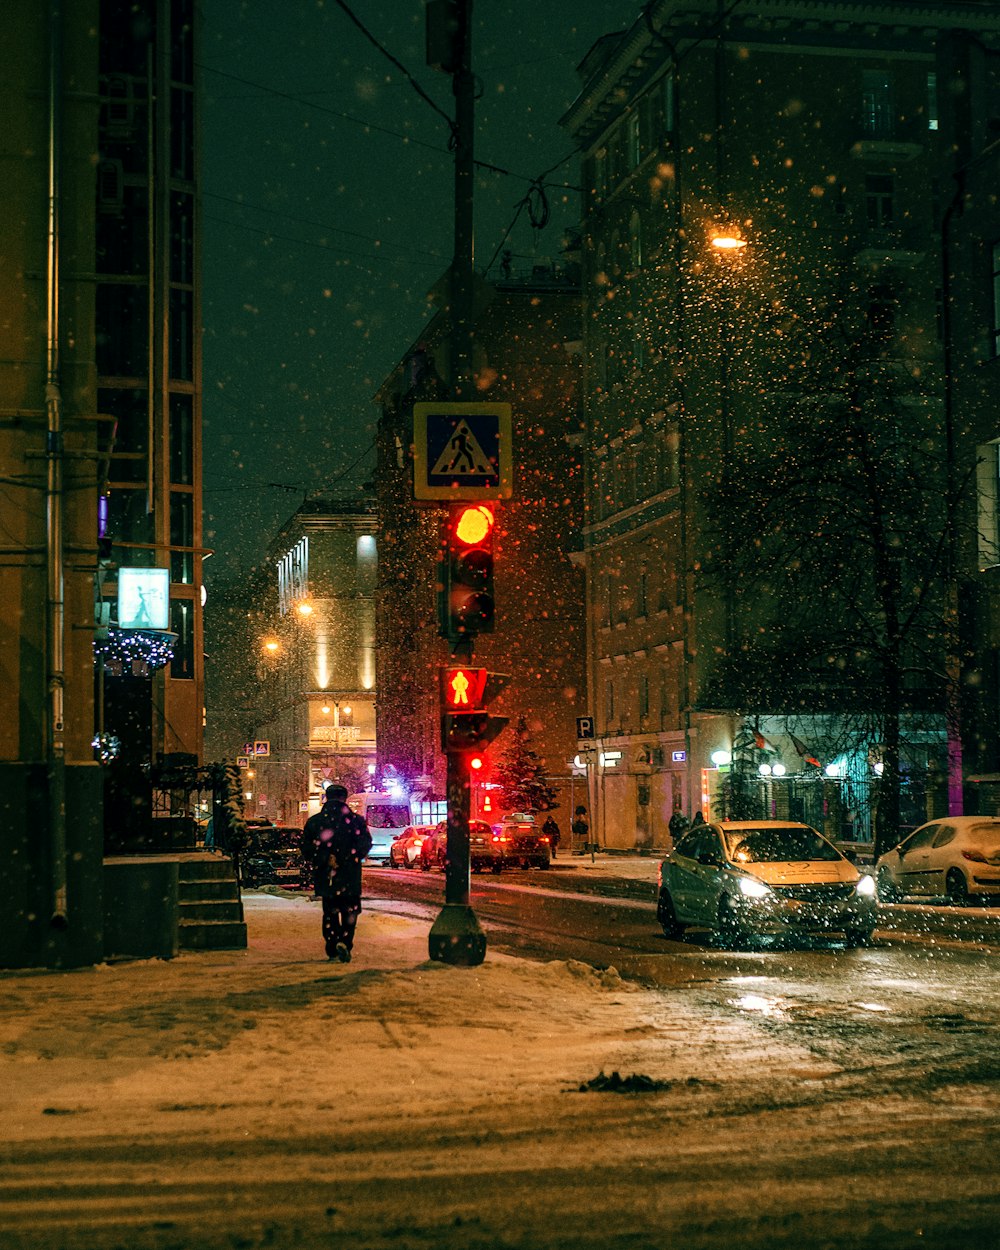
x=327, y=217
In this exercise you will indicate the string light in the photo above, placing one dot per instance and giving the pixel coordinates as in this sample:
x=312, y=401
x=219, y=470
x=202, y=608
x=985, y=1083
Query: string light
x=135, y=651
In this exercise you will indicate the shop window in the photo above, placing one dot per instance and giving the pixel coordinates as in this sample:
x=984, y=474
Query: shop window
x=128, y=518
x=988, y=495
x=130, y=409
x=122, y=232
x=667, y=104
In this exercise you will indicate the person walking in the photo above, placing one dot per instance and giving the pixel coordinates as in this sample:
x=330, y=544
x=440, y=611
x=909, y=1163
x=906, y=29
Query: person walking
x=581, y=830
x=335, y=841
x=677, y=824
x=699, y=819
x=551, y=831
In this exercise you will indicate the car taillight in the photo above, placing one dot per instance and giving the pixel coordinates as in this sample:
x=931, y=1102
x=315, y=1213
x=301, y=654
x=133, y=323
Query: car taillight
x=498, y=838
x=977, y=857
x=544, y=838
x=418, y=842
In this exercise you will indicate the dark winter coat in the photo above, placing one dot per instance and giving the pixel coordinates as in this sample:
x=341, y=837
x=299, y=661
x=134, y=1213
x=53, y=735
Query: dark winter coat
x=335, y=841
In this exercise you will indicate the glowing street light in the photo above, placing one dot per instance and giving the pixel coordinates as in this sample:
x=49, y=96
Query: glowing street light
x=272, y=646
x=726, y=242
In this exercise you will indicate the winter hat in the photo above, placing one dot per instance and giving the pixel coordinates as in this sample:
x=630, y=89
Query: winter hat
x=336, y=794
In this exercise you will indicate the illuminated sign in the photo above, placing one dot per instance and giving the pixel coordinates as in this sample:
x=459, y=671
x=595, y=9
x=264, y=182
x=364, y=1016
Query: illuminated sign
x=678, y=756
x=143, y=598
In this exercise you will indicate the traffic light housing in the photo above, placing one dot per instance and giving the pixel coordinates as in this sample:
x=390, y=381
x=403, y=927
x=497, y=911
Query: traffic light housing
x=465, y=725
x=466, y=606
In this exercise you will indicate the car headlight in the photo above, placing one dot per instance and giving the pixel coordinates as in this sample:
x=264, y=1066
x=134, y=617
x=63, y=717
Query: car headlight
x=866, y=886
x=750, y=887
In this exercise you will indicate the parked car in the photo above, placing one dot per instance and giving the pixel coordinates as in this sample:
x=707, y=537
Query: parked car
x=956, y=856
x=405, y=851
x=273, y=856
x=484, y=848
x=521, y=843
x=758, y=876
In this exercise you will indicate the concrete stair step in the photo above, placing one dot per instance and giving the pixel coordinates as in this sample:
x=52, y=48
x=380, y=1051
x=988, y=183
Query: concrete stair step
x=211, y=934
x=198, y=888
x=209, y=909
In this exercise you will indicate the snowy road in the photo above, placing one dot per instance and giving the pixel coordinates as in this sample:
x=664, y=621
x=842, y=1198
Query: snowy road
x=267, y=1098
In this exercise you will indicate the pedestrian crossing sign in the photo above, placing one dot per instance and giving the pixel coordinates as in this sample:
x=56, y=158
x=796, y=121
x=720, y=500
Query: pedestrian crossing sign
x=462, y=451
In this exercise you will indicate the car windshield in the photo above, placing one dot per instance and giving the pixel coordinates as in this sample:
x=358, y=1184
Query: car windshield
x=384, y=816
x=768, y=846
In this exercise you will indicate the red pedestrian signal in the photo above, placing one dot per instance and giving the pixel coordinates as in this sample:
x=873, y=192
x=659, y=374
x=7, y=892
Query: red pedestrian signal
x=462, y=688
x=466, y=606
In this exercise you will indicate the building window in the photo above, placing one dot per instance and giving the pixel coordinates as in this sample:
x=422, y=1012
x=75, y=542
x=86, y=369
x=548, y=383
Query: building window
x=988, y=495
x=876, y=104
x=642, y=593
x=606, y=599
x=182, y=334
x=609, y=702
x=633, y=143
x=643, y=697
x=932, y=102
x=879, y=190
x=996, y=300
x=181, y=439
x=182, y=133
x=182, y=238
x=635, y=240
x=182, y=624
x=181, y=535
x=122, y=330
x=667, y=99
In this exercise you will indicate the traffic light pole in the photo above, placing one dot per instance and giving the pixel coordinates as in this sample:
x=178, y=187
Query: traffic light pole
x=456, y=936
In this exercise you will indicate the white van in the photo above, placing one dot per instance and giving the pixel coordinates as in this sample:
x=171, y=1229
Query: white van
x=387, y=817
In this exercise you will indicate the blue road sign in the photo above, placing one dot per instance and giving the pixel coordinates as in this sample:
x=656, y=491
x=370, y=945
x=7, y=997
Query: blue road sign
x=462, y=451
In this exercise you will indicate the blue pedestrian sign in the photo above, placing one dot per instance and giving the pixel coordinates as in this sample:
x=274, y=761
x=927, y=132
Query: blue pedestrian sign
x=462, y=451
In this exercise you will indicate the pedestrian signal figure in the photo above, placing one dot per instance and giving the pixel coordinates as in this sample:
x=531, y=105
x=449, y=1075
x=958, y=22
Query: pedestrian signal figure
x=551, y=831
x=335, y=841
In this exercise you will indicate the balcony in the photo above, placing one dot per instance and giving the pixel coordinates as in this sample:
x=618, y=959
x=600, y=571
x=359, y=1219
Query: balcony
x=890, y=245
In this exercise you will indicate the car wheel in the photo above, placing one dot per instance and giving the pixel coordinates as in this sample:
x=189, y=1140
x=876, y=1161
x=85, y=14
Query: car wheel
x=665, y=914
x=857, y=937
x=888, y=891
x=730, y=927
x=957, y=888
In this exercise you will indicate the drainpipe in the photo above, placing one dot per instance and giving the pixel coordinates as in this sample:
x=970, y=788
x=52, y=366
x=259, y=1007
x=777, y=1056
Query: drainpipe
x=56, y=608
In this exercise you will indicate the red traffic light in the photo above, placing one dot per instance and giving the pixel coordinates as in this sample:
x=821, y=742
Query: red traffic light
x=476, y=763
x=473, y=524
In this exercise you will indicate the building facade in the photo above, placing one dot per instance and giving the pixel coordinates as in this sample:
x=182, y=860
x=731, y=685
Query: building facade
x=315, y=684
x=526, y=339
x=759, y=185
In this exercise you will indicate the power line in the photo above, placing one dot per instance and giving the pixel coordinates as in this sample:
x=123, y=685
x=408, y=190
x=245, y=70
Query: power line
x=398, y=64
x=310, y=221
x=323, y=247
x=489, y=166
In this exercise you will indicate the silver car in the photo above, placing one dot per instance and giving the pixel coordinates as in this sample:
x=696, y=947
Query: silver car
x=954, y=856
x=743, y=877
